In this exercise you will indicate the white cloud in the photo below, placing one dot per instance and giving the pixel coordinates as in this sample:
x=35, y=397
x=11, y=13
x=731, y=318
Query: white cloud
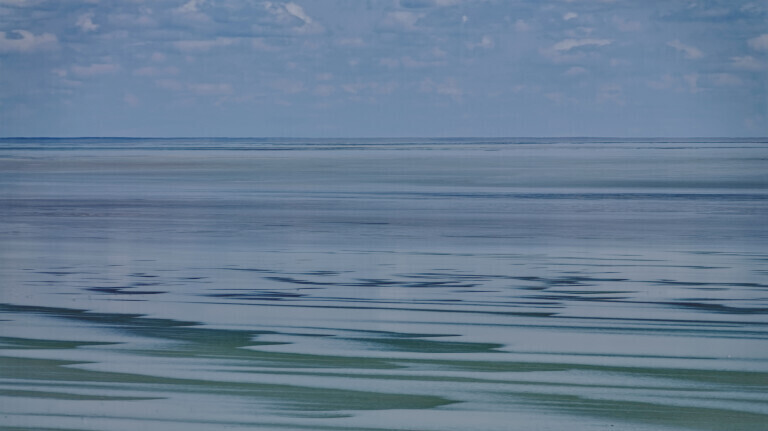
x=261, y=44
x=575, y=70
x=351, y=42
x=725, y=80
x=746, y=62
x=389, y=62
x=690, y=52
x=410, y=62
x=559, y=98
x=403, y=20
x=427, y=3
x=568, y=44
x=448, y=87
x=522, y=26
x=692, y=81
x=210, y=89
x=288, y=14
x=613, y=93
x=759, y=43
x=169, y=84
x=626, y=25
x=85, y=22
x=95, y=69
x=158, y=57
x=192, y=6
x=579, y=32
x=190, y=11
x=25, y=41
x=17, y=2
x=370, y=87
x=485, y=43
x=665, y=82
x=156, y=71
x=324, y=90
x=203, y=45
x=570, y=15
x=288, y=86
x=298, y=12
x=619, y=62
x=130, y=99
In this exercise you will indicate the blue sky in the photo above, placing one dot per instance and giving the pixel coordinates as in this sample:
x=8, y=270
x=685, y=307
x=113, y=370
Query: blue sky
x=346, y=68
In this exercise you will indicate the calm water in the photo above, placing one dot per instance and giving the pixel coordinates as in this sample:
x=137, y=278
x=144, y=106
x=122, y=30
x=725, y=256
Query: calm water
x=371, y=285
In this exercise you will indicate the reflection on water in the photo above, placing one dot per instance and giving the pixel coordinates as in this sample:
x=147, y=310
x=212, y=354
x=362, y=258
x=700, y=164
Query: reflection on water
x=381, y=285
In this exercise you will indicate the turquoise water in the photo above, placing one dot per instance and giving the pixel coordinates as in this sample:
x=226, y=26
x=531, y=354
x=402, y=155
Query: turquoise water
x=534, y=284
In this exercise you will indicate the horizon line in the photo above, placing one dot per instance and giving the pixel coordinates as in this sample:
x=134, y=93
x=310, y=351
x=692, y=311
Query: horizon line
x=383, y=137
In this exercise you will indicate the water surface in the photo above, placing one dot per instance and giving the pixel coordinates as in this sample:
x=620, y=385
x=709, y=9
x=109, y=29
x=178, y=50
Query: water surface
x=468, y=284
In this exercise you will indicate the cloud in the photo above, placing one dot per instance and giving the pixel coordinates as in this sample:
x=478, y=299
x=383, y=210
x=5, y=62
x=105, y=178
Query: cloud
x=401, y=20
x=626, y=25
x=448, y=87
x=85, y=22
x=351, y=42
x=156, y=71
x=690, y=52
x=570, y=15
x=522, y=26
x=665, y=82
x=292, y=16
x=288, y=86
x=131, y=100
x=613, y=93
x=169, y=84
x=18, y=3
x=725, y=80
x=560, y=99
x=203, y=45
x=261, y=44
x=569, y=44
x=389, y=62
x=298, y=12
x=746, y=62
x=210, y=89
x=689, y=83
x=759, y=43
x=485, y=43
x=420, y=4
x=324, y=90
x=25, y=41
x=410, y=62
x=692, y=80
x=192, y=6
x=95, y=69
x=370, y=87
x=575, y=70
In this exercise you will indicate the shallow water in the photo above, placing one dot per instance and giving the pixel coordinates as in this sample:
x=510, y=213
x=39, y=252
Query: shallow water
x=383, y=284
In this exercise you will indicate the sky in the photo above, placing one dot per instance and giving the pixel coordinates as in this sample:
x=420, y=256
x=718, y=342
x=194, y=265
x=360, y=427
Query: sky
x=384, y=68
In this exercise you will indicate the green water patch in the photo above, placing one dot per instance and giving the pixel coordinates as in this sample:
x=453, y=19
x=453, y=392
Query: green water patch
x=694, y=418
x=190, y=340
x=289, y=397
x=27, y=343
x=68, y=396
x=416, y=345
x=745, y=380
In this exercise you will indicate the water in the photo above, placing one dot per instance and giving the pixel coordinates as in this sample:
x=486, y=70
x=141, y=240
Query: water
x=581, y=284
